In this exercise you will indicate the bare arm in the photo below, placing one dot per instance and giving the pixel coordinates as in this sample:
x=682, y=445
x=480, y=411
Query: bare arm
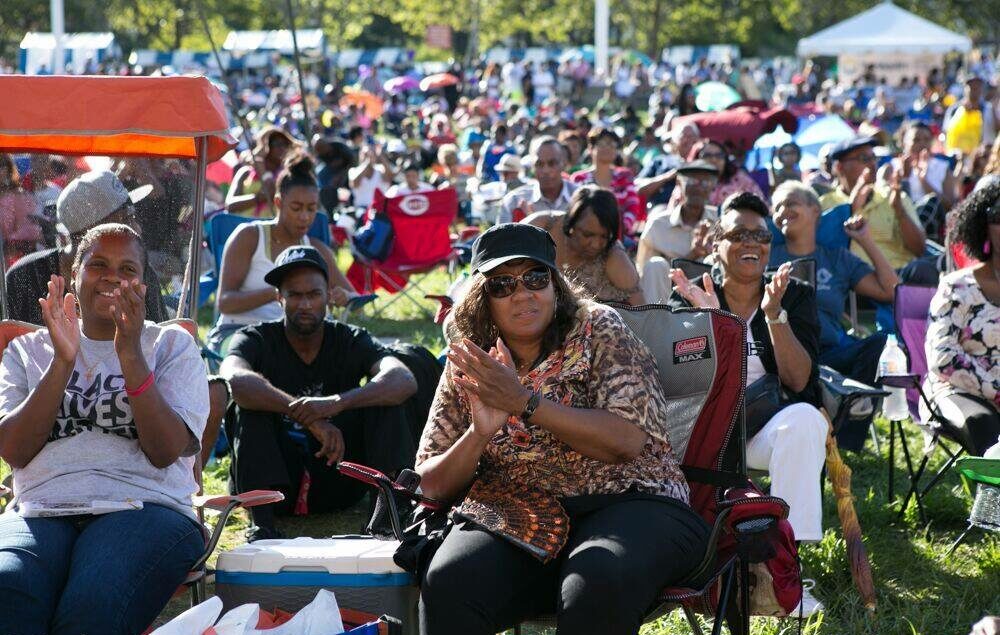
x=250, y=390
x=914, y=238
x=391, y=384
x=650, y=186
x=341, y=290
x=237, y=200
x=163, y=435
x=24, y=431
x=445, y=476
x=794, y=362
x=623, y=274
x=598, y=434
x=235, y=265
x=881, y=284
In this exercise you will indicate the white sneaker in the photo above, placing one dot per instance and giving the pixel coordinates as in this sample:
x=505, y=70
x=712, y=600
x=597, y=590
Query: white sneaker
x=809, y=605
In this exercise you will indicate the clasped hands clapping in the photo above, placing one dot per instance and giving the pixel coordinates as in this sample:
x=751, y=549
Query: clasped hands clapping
x=489, y=382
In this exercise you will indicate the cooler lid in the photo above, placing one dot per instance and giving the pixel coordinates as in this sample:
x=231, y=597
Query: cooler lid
x=330, y=555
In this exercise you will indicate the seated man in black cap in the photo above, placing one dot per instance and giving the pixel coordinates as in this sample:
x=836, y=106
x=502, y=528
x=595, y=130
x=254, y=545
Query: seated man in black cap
x=679, y=230
x=299, y=405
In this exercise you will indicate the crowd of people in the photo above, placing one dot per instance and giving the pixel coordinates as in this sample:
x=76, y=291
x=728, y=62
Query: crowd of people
x=579, y=206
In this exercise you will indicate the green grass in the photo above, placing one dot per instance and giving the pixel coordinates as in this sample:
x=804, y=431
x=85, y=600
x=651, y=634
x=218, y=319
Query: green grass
x=921, y=590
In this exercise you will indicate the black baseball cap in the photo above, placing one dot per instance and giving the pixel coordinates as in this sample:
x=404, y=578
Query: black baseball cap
x=847, y=145
x=512, y=241
x=296, y=256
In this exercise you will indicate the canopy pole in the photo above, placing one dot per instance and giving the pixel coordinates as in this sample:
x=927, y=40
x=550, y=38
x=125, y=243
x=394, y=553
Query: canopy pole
x=3, y=281
x=306, y=126
x=58, y=18
x=244, y=126
x=189, y=296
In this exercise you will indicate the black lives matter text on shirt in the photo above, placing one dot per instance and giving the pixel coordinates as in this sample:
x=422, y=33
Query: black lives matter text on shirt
x=347, y=355
x=99, y=405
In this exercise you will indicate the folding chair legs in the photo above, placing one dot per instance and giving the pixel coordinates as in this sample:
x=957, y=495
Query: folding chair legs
x=915, y=479
x=914, y=476
x=692, y=621
x=959, y=540
x=724, y=600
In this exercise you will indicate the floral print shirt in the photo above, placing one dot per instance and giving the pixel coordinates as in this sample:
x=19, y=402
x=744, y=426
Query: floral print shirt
x=963, y=338
x=602, y=365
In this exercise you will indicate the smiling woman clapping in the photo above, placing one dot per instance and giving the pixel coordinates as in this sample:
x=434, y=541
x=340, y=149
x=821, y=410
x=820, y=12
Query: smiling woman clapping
x=99, y=411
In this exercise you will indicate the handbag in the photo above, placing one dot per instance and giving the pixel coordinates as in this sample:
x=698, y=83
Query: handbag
x=764, y=399
x=374, y=239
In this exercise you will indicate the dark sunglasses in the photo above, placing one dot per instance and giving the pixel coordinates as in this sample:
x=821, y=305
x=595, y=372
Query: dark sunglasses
x=744, y=235
x=504, y=285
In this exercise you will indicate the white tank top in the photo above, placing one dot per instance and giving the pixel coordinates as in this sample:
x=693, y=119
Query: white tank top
x=260, y=265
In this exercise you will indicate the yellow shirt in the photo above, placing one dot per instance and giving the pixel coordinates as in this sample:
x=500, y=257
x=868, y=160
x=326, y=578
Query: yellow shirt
x=882, y=225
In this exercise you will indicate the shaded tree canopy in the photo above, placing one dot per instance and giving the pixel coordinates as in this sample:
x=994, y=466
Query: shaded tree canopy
x=759, y=28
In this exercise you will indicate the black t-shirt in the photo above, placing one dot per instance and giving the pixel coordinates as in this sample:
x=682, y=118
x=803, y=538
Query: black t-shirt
x=346, y=356
x=28, y=280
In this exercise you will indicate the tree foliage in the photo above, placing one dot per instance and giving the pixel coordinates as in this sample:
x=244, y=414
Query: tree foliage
x=758, y=27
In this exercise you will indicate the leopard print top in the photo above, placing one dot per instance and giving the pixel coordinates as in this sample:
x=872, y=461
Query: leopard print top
x=602, y=365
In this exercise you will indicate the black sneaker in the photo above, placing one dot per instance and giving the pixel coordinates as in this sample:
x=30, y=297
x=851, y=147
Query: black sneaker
x=255, y=533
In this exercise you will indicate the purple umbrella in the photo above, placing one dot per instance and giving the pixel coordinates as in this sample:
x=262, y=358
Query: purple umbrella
x=401, y=84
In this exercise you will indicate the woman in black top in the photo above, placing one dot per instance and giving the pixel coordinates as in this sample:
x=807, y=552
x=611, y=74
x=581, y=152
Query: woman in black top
x=783, y=340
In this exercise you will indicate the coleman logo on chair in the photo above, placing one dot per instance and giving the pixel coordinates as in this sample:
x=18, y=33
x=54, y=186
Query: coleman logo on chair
x=415, y=205
x=691, y=350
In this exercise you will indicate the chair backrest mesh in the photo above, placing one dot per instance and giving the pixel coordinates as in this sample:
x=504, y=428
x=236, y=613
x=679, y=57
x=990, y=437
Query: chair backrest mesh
x=701, y=360
x=420, y=226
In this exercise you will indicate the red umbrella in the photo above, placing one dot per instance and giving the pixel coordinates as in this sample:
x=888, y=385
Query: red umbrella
x=439, y=80
x=741, y=125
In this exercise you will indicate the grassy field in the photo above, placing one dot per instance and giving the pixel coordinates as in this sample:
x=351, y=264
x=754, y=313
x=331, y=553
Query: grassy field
x=921, y=590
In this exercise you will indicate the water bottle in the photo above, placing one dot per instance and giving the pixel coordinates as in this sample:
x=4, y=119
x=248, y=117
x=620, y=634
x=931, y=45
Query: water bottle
x=892, y=361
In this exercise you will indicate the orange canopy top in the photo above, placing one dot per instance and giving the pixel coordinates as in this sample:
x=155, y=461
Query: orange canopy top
x=113, y=116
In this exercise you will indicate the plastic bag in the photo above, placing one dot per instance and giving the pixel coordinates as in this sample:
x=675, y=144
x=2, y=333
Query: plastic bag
x=193, y=621
x=319, y=617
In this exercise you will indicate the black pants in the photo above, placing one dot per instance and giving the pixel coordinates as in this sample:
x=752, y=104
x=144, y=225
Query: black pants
x=269, y=454
x=971, y=420
x=622, y=551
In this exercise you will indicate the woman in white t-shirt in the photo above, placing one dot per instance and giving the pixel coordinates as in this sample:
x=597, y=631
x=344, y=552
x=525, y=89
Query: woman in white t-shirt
x=100, y=418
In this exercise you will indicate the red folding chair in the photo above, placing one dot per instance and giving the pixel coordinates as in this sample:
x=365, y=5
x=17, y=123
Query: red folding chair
x=421, y=243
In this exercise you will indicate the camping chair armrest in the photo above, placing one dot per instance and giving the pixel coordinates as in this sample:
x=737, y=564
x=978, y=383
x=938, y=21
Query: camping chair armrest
x=360, y=301
x=843, y=387
x=225, y=505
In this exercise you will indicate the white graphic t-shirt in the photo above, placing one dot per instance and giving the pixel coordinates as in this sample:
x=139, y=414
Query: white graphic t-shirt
x=93, y=452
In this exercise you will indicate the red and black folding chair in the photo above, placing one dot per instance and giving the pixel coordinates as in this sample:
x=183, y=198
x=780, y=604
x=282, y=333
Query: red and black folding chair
x=421, y=243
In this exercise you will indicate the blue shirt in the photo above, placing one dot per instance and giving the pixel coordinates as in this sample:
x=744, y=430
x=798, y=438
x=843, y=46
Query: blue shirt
x=837, y=272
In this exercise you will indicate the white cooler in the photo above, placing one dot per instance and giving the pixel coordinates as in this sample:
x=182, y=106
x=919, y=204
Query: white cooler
x=287, y=574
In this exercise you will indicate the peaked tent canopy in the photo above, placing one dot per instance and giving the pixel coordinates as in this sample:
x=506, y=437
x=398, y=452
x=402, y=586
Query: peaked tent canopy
x=310, y=41
x=885, y=28
x=114, y=116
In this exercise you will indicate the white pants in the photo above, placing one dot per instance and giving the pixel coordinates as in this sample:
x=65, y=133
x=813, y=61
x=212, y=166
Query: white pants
x=792, y=448
x=655, y=281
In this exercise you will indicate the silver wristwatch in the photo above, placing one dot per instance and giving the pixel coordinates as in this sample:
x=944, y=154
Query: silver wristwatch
x=781, y=319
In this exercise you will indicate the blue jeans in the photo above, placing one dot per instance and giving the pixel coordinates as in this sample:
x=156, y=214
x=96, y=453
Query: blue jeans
x=93, y=575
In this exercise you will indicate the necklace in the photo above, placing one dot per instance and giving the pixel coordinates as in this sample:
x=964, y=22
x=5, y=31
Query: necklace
x=88, y=373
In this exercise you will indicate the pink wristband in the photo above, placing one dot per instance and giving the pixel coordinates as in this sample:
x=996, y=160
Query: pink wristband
x=143, y=387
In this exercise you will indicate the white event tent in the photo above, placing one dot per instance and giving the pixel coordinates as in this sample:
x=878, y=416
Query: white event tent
x=885, y=28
